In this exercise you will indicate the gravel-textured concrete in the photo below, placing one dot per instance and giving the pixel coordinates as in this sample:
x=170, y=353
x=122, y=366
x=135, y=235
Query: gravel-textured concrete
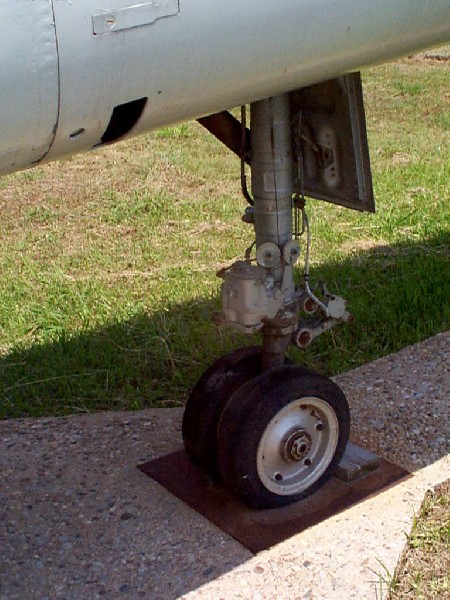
x=79, y=521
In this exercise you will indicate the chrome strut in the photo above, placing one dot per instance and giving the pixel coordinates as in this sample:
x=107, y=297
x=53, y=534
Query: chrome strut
x=272, y=187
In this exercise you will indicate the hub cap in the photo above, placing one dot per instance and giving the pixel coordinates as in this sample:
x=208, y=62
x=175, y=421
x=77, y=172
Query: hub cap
x=297, y=446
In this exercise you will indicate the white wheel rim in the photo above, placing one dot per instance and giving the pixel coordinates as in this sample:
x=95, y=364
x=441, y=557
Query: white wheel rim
x=297, y=446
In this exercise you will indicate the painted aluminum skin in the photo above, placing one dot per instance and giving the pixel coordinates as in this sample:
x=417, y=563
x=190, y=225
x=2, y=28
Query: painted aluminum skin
x=66, y=64
x=29, y=82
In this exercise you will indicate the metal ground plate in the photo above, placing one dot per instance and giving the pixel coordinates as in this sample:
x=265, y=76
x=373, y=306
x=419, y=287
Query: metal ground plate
x=258, y=530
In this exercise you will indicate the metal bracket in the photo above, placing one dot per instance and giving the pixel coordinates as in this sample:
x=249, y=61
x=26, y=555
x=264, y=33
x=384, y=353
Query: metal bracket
x=311, y=327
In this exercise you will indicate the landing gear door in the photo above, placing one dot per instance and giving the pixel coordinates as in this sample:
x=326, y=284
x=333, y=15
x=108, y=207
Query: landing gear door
x=330, y=143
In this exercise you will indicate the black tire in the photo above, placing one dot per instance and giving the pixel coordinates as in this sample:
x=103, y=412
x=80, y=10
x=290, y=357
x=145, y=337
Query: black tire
x=207, y=400
x=272, y=426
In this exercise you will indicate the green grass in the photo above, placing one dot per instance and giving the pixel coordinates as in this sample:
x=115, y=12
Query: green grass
x=108, y=260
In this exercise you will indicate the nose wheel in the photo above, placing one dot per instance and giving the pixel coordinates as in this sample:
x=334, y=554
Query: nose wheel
x=208, y=399
x=281, y=436
x=272, y=437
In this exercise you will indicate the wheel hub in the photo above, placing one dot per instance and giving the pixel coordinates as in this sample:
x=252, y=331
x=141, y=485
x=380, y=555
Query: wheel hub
x=297, y=446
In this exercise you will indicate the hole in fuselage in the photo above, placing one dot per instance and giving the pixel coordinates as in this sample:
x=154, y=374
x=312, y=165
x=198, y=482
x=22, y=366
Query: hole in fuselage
x=124, y=117
x=76, y=133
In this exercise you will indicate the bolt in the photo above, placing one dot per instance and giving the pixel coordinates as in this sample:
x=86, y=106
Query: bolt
x=307, y=462
x=304, y=339
x=319, y=426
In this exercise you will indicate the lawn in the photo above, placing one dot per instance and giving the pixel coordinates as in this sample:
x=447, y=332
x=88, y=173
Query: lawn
x=108, y=260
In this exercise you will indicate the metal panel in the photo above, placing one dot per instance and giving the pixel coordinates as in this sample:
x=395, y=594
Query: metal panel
x=28, y=82
x=331, y=142
x=133, y=16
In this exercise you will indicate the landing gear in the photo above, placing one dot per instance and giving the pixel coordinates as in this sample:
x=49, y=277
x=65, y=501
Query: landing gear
x=271, y=431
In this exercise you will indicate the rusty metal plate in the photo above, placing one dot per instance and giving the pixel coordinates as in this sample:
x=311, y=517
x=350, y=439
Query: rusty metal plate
x=258, y=530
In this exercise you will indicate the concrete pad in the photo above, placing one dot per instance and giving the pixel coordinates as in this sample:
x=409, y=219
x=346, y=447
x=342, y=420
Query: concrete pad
x=78, y=520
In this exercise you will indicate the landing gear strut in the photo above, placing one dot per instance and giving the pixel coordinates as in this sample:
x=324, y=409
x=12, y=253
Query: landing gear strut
x=271, y=431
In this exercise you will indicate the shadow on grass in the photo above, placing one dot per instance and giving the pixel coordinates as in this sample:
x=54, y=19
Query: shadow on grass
x=398, y=294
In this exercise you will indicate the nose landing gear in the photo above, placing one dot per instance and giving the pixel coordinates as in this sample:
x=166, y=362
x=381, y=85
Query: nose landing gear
x=271, y=431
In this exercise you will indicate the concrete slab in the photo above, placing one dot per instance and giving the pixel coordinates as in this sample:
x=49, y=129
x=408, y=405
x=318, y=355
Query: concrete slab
x=78, y=520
